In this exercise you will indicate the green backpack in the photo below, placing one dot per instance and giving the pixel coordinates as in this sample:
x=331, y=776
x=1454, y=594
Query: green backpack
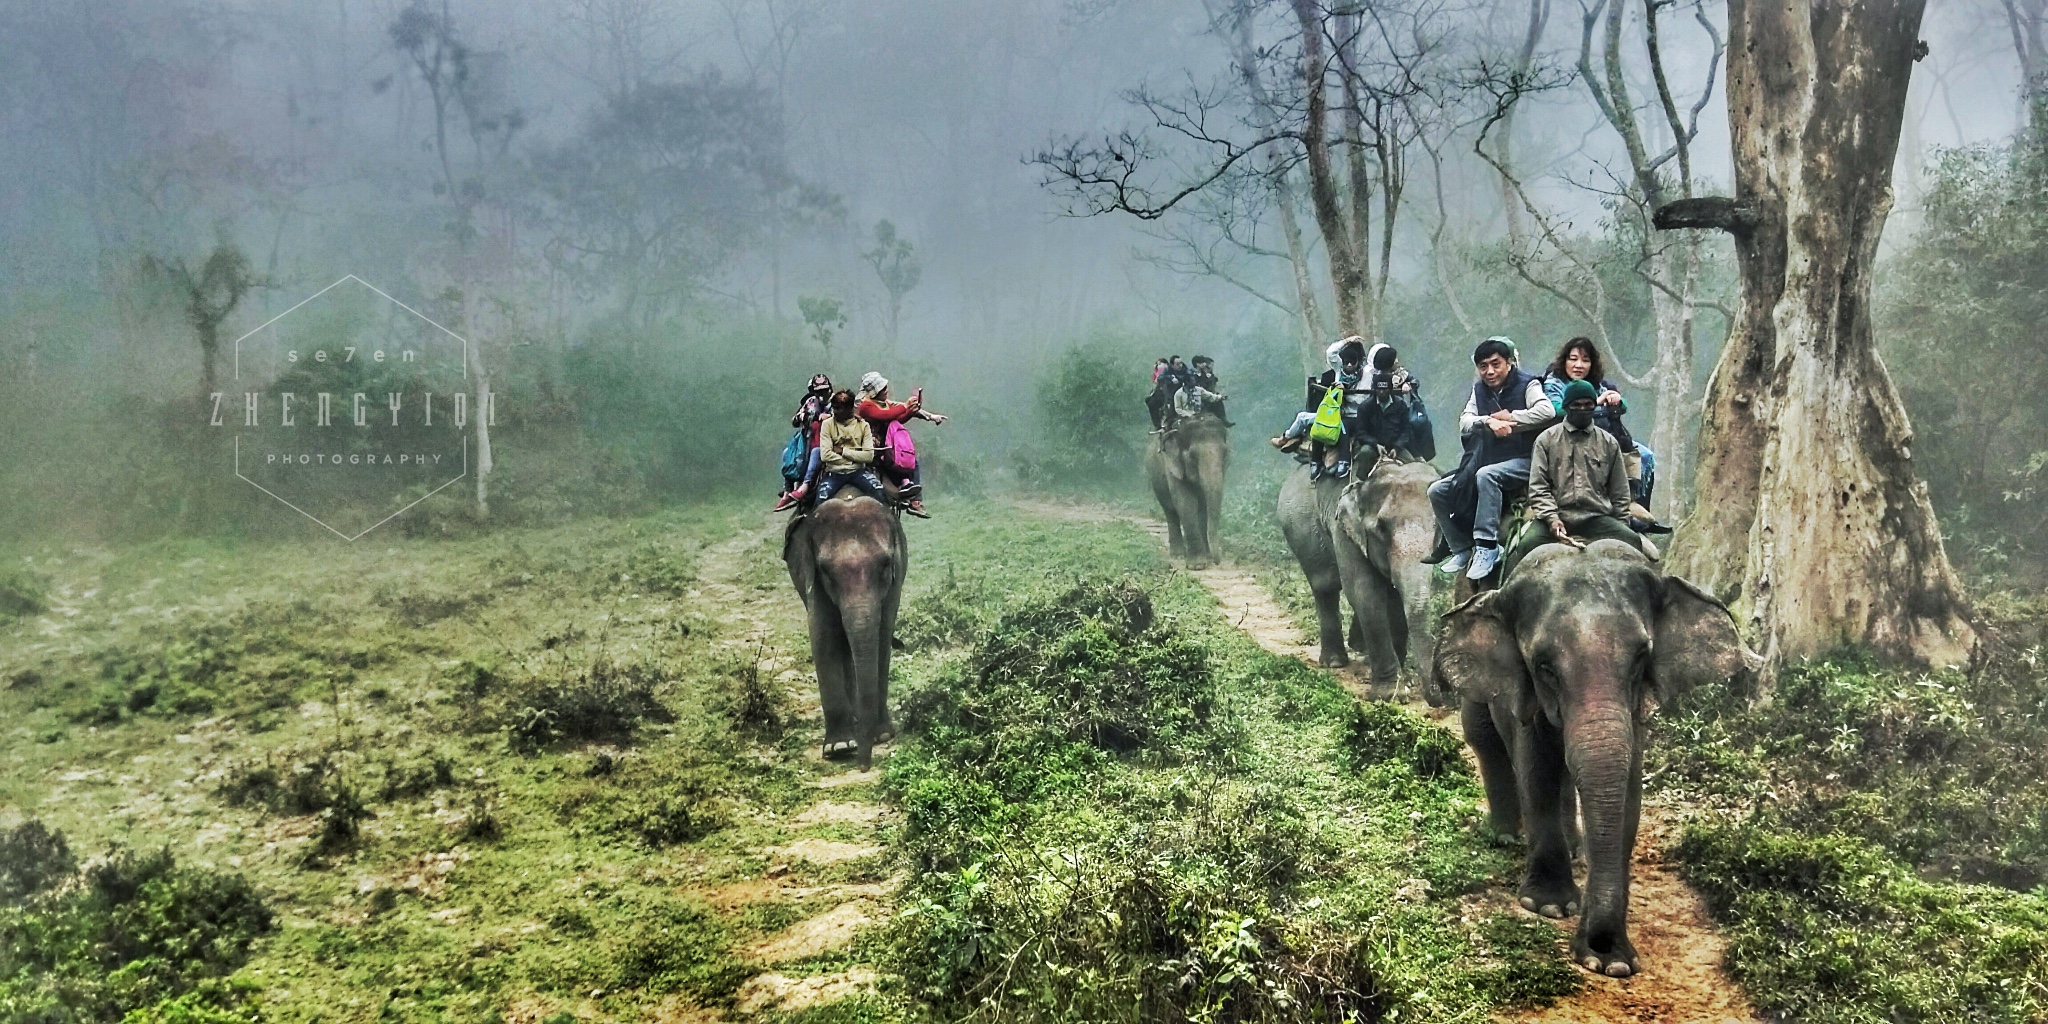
x=1329, y=424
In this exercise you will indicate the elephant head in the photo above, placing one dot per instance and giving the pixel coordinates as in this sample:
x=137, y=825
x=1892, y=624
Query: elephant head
x=1578, y=651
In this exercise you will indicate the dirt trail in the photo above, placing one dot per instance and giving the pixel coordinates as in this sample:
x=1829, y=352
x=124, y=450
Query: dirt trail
x=1682, y=980
x=753, y=606
x=1245, y=603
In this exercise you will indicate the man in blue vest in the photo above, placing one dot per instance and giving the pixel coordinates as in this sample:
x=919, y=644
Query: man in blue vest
x=1505, y=413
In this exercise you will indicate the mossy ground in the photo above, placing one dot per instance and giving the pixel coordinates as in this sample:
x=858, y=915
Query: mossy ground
x=515, y=777
x=1875, y=842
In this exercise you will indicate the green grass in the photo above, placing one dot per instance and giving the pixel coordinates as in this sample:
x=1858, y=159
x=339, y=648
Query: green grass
x=509, y=774
x=1875, y=842
x=1119, y=808
x=459, y=773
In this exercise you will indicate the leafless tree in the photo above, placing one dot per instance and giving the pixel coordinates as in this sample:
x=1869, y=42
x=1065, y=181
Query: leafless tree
x=1669, y=266
x=463, y=84
x=1323, y=102
x=1819, y=528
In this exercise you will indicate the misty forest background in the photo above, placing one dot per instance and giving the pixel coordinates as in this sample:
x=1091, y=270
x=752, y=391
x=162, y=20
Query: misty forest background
x=659, y=218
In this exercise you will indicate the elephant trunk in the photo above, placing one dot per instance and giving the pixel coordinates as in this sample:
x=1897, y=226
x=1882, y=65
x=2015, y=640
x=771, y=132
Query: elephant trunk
x=862, y=619
x=1605, y=756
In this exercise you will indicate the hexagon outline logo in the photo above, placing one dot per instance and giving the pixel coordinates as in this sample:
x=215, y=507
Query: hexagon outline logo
x=430, y=321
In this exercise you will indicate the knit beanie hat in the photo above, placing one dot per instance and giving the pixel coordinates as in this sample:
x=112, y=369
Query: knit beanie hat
x=1580, y=389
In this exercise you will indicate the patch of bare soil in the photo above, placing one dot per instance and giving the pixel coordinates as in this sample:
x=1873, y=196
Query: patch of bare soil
x=1683, y=981
x=830, y=813
x=825, y=933
x=823, y=851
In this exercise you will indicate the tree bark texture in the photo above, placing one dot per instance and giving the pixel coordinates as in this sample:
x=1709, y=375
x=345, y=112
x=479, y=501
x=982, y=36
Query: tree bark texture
x=1347, y=274
x=1810, y=516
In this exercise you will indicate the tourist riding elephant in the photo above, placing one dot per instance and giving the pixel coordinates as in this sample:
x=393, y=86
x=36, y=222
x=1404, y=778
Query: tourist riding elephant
x=1186, y=463
x=848, y=558
x=1560, y=671
x=1382, y=530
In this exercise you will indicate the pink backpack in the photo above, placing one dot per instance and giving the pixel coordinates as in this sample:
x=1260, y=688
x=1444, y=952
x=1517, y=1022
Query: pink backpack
x=902, y=450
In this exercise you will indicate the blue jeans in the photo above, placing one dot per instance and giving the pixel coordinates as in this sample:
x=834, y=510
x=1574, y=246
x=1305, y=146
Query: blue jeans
x=864, y=480
x=1493, y=482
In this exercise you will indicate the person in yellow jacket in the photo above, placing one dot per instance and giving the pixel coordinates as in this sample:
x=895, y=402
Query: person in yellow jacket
x=846, y=452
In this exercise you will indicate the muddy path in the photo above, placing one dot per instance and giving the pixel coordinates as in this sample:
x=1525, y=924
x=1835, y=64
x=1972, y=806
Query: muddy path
x=741, y=583
x=1683, y=981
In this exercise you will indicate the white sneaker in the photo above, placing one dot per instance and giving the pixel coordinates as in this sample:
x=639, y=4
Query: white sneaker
x=1456, y=563
x=1483, y=562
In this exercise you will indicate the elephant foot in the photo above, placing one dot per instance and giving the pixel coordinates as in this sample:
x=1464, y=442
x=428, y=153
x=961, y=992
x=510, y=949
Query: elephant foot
x=1504, y=826
x=840, y=750
x=1334, y=659
x=1606, y=951
x=1555, y=900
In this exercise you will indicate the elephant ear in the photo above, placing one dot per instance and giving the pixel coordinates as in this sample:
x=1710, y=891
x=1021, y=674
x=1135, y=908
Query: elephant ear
x=1476, y=654
x=1697, y=644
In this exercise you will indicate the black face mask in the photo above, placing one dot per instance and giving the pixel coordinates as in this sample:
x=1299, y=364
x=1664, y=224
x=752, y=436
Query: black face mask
x=1579, y=419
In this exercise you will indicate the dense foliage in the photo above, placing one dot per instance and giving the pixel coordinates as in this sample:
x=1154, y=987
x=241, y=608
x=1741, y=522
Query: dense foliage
x=1961, y=310
x=1116, y=815
x=130, y=931
x=1874, y=839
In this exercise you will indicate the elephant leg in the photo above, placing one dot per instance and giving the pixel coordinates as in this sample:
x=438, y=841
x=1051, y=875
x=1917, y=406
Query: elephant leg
x=1176, y=541
x=1496, y=769
x=1601, y=944
x=1324, y=585
x=1194, y=523
x=1547, y=885
x=831, y=656
x=1371, y=610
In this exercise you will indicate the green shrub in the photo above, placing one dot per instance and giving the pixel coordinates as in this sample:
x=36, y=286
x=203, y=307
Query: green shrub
x=1827, y=928
x=22, y=593
x=1377, y=732
x=1852, y=821
x=32, y=858
x=136, y=931
x=1090, y=421
x=604, y=701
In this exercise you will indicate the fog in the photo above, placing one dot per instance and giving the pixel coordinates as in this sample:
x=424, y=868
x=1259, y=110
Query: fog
x=141, y=133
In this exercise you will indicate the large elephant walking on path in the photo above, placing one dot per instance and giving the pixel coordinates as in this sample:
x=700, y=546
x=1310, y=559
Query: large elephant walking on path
x=1186, y=464
x=1362, y=540
x=1560, y=671
x=848, y=558
x=1382, y=530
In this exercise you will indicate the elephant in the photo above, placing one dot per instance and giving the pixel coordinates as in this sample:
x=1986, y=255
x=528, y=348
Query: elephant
x=848, y=558
x=1186, y=464
x=1307, y=508
x=1560, y=672
x=1382, y=530
x=1362, y=540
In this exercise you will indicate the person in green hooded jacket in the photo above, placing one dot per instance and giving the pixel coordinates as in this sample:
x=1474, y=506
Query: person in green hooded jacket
x=1578, y=483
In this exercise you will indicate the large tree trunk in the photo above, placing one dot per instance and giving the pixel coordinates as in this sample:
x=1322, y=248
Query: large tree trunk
x=1308, y=316
x=1348, y=281
x=1812, y=517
